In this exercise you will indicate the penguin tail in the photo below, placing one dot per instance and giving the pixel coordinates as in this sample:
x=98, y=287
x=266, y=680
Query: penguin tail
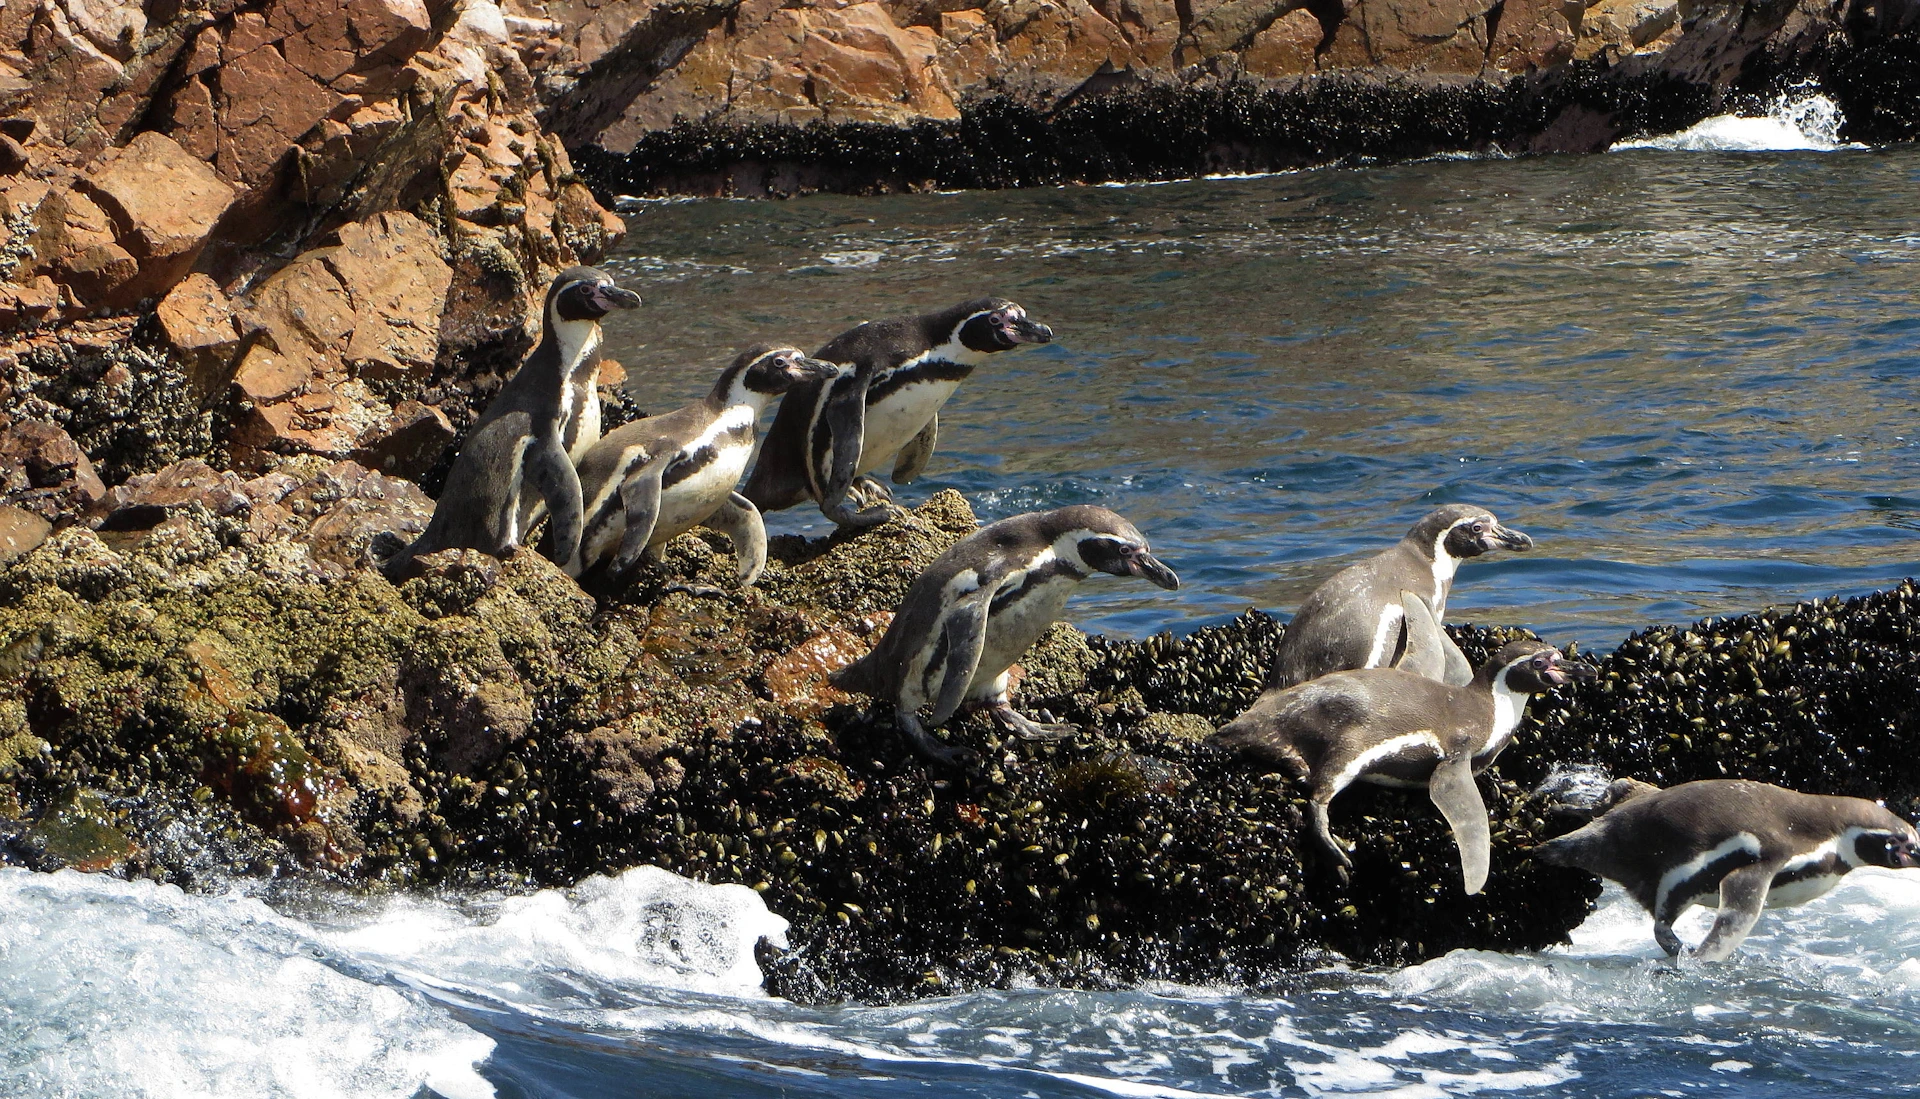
x=857, y=676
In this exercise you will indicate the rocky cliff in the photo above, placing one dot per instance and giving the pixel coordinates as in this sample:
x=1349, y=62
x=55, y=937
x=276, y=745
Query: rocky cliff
x=252, y=230
x=755, y=97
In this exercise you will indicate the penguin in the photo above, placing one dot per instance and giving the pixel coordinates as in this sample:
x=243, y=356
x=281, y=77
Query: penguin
x=1741, y=845
x=1395, y=727
x=979, y=606
x=885, y=407
x=519, y=457
x=655, y=479
x=1357, y=619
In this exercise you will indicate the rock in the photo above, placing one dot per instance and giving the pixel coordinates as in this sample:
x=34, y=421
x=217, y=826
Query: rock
x=196, y=320
x=265, y=104
x=411, y=443
x=45, y=472
x=165, y=204
x=21, y=532
x=396, y=282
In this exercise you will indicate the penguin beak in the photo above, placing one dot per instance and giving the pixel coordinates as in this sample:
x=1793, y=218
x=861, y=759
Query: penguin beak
x=610, y=297
x=1507, y=538
x=1148, y=567
x=1904, y=855
x=1026, y=331
x=1564, y=672
x=811, y=369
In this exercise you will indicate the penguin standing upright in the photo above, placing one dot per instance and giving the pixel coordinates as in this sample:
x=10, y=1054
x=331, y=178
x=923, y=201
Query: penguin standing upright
x=1357, y=619
x=654, y=479
x=1394, y=727
x=983, y=603
x=885, y=407
x=1741, y=845
x=544, y=417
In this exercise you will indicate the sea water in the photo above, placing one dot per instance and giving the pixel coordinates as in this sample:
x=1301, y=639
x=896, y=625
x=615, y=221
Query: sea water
x=1687, y=368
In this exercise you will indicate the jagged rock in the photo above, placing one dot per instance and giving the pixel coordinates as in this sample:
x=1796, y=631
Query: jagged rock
x=45, y=472
x=196, y=320
x=164, y=203
x=21, y=531
x=413, y=440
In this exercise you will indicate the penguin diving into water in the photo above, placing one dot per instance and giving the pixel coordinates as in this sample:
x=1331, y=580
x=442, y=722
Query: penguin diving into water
x=1743, y=846
x=884, y=408
x=1395, y=727
x=654, y=479
x=983, y=603
x=519, y=457
x=1359, y=619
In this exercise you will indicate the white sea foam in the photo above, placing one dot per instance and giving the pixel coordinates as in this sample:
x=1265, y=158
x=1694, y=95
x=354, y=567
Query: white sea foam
x=1800, y=119
x=644, y=928
x=111, y=989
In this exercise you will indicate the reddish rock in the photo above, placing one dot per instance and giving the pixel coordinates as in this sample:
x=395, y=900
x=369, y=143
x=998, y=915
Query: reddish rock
x=265, y=105
x=44, y=471
x=29, y=301
x=798, y=680
x=164, y=203
x=196, y=320
x=21, y=532
x=411, y=443
x=352, y=506
x=1285, y=47
x=396, y=283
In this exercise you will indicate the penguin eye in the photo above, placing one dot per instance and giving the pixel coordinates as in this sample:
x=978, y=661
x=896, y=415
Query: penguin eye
x=1542, y=662
x=1479, y=527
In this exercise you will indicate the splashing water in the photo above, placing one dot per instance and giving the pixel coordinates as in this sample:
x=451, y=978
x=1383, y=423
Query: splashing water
x=1799, y=119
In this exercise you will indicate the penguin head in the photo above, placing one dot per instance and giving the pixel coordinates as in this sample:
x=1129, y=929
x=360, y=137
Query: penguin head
x=1101, y=541
x=1462, y=530
x=987, y=325
x=1886, y=848
x=1534, y=667
x=769, y=370
x=585, y=294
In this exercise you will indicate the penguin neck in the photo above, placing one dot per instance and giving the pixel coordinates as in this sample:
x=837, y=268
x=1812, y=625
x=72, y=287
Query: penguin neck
x=1508, y=703
x=576, y=344
x=1442, y=565
x=732, y=391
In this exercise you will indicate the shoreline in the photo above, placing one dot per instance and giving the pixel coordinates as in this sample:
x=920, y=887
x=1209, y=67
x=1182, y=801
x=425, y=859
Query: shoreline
x=187, y=675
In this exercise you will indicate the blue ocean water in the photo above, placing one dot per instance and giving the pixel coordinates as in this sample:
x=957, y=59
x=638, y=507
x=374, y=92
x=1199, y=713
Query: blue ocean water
x=1688, y=371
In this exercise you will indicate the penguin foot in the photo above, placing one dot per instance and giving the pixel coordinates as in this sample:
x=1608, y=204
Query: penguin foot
x=867, y=492
x=1013, y=721
x=860, y=519
x=935, y=750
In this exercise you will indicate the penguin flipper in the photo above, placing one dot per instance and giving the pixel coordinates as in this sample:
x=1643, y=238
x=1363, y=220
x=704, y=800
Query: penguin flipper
x=1421, y=639
x=845, y=422
x=740, y=521
x=1743, y=893
x=1459, y=672
x=551, y=473
x=640, y=497
x=912, y=460
x=966, y=636
x=1457, y=797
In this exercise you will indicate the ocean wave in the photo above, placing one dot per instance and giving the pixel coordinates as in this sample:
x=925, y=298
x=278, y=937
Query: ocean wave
x=1798, y=120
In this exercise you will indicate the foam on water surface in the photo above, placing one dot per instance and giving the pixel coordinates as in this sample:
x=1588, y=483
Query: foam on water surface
x=1800, y=120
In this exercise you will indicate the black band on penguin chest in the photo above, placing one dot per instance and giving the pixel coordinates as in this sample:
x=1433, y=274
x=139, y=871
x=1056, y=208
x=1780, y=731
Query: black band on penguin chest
x=689, y=462
x=1034, y=579
x=938, y=370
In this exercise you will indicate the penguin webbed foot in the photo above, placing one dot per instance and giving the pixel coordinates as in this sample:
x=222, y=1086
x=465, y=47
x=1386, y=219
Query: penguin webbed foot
x=1013, y=721
x=845, y=515
x=1669, y=942
x=867, y=492
x=698, y=591
x=932, y=748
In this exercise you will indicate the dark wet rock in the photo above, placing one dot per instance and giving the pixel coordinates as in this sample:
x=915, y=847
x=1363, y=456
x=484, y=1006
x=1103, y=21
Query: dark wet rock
x=487, y=722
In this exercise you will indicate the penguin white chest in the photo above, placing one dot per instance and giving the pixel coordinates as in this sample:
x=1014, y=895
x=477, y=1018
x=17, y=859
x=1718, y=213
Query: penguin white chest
x=688, y=502
x=895, y=419
x=1014, y=629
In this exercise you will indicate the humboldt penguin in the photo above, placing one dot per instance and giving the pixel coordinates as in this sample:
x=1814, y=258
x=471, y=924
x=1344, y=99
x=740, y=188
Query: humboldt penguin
x=1740, y=845
x=655, y=479
x=1394, y=727
x=979, y=606
x=885, y=407
x=1357, y=618
x=519, y=457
